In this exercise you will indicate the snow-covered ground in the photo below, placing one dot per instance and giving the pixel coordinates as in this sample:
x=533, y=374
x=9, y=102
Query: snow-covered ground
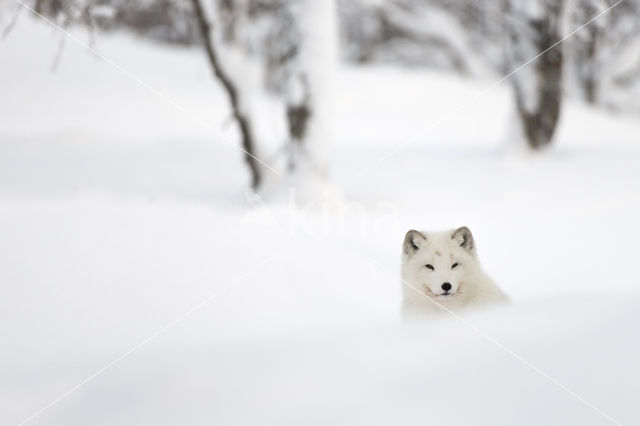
x=123, y=217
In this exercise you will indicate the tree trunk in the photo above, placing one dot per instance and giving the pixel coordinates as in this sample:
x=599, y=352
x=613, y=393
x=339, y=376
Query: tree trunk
x=537, y=86
x=310, y=98
x=591, y=74
x=247, y=139
x=590, y=80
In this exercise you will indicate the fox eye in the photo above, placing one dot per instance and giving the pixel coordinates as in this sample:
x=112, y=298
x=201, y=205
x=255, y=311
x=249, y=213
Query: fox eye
x=454, y=265
x=430, y=267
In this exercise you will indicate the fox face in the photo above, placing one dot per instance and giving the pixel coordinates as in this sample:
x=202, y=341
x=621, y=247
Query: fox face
x=438, y=264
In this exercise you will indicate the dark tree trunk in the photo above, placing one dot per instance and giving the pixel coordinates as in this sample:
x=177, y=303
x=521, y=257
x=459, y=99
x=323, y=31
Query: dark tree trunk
x=248, y=142
x=590, y=79
x=298, y=115
x=538, y=90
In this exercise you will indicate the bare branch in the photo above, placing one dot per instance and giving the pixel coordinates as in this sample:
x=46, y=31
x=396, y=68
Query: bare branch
x=248, y=143
x=12, y=23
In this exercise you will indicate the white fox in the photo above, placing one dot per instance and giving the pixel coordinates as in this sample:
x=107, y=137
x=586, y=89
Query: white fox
x=440, y=271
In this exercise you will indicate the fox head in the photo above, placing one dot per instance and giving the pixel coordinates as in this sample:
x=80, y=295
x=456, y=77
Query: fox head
x=439, y=265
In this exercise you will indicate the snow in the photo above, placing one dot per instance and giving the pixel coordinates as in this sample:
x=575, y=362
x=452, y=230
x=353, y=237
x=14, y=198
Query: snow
x=119, y=213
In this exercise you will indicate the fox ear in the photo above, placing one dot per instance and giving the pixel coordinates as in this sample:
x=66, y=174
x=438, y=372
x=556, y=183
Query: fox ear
x=412, y=241
x=463, y=237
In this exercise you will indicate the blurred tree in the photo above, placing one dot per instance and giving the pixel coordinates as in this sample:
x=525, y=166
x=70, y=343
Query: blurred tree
x=586, y=48
x=66, y=13
x=533, y=27
x=240, y=115
x=290, y=44
x=439, y=34
x=605, y=55
x=169, y=21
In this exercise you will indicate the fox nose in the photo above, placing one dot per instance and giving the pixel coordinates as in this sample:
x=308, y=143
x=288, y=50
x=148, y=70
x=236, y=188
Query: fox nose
x=446, y=286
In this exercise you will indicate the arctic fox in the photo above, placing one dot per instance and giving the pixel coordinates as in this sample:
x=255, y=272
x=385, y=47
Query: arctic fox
x=440, y=271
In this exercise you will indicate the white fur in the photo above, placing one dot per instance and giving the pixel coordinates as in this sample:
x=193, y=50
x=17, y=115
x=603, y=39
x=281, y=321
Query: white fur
x=422, y=287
